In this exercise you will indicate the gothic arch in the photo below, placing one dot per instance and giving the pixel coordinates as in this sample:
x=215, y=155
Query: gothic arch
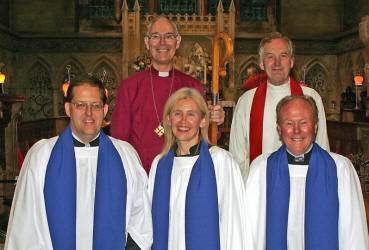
x=106, y=71
x=317, y=77
x=249, y=67
x=76, y=68
x=39, y=92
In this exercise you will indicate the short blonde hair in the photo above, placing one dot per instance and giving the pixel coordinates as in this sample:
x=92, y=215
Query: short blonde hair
x=183, y=93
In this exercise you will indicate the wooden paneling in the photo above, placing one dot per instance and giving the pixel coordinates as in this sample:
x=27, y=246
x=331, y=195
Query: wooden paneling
x=30, y=132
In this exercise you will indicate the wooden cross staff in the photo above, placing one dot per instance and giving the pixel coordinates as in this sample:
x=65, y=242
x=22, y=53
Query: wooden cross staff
x=219, y=70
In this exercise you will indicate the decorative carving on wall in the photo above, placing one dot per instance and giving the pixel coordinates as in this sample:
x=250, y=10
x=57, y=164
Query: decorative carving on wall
x=107, y=75
x=316, y=78
x=39, y=101
x=197, y=60
x=248, y=68
x=75, y=69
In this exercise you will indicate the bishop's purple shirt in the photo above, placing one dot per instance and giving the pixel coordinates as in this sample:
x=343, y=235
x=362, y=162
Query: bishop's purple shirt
x=134, y=119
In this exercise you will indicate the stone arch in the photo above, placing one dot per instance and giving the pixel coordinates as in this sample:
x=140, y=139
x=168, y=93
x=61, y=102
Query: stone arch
x=76, y=68
x=106, y=71
x=317, y=78
x=39, y=92
x=249, y=67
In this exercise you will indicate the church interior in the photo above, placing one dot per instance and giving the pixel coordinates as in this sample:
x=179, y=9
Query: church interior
x=45, y=43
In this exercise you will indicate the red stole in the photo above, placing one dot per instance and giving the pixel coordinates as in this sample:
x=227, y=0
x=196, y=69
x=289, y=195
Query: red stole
x=257, y=116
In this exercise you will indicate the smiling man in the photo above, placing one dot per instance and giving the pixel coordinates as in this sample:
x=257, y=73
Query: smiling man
x=253, y=131
x=82, y=189
x=302, y=197
x=137, y=115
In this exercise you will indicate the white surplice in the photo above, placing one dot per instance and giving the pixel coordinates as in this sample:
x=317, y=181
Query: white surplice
x=231, y=204
x=352, y=226
x=28, y=226
x=239, y=141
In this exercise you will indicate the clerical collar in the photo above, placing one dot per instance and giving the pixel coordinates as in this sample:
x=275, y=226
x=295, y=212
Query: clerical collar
x=161, y=73
x=78, y=143
x=279, y=87
x=302, y=159
x=194, y=150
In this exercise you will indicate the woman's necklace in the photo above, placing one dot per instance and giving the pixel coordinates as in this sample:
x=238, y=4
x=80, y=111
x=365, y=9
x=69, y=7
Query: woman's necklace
x=159, y=130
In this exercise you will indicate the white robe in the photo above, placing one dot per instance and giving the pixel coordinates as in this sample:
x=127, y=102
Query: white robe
x=239, y=142
x=352, y=226
x=230, y=199
x=28, y=226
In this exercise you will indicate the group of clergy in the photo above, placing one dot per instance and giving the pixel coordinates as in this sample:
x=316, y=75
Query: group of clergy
x=279, y=187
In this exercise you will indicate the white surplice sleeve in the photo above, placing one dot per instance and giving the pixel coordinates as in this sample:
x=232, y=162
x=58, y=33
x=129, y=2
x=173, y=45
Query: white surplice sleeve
x=27, y=226
x=231, y=200
x=352, y=225
x=255, y=199
x=138, y=213
x=239, y=144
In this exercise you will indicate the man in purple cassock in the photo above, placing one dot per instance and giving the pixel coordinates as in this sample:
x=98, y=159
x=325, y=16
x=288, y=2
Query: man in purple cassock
x=137, y=115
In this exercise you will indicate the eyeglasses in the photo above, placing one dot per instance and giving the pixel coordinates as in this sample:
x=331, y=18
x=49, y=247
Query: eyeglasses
x=168, y=37
x=83, y=106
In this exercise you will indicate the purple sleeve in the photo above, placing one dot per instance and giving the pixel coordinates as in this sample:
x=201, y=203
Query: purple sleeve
x=120, y=126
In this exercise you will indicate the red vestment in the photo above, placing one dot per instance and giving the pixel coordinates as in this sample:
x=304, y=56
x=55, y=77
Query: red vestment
x=134, y=118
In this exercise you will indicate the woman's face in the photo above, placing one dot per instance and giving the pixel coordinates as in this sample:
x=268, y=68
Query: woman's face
x=186, y=121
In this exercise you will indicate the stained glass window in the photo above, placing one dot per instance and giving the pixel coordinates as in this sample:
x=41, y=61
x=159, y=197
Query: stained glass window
x=101, y=9
x=213, y=6
x=253, y=10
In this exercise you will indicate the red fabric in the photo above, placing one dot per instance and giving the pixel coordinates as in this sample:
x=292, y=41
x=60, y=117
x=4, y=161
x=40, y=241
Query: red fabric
x=253, y=82
x=134, y=118
x=257, y=116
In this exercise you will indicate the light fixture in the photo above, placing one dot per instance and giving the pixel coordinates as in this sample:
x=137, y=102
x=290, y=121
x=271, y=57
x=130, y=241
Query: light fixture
x=358, y=80
x=67, y=81
x=2, y=81
x=2, y=77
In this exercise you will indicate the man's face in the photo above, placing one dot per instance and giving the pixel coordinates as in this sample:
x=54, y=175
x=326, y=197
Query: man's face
x=85, y=121
x=277, y=61
x=164, y=48
x=297, y=128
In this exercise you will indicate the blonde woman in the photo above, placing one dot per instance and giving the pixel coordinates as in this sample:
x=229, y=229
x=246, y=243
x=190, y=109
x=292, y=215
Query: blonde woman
x=196, y=189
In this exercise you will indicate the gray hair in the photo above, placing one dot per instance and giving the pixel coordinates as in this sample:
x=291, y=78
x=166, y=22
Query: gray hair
x=275, y=35
x=161, y=18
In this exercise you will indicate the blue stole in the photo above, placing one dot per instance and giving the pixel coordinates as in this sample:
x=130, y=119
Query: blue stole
x=110, y=195
x=321, y=201
x=202, y=215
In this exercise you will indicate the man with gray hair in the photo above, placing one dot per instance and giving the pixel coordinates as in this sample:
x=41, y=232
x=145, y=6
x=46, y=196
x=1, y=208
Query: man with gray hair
x=253, y=127
x=302, y=197
x=140, y=99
